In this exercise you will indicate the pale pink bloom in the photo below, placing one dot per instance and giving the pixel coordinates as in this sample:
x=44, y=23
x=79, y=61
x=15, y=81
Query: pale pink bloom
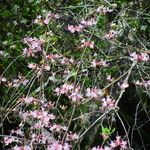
x=38, y=19
x=32, y=66
x=107, y=148
x=103, y=10
x=47, y=67
x=22, y=147
x=71, y=28
x=124, y=144
x=144, y=57
x=89, y=22
x=108, y=102
x=58, y=128
x=124, y=85
x=138, y=83
x=109, y=78
x=64, y=89
x=18, y=132
x=75, y=96
x=25, y=81
x=112, y=34
x=139, y=57
x=57, y=90
x=9, y=140
x=94, y=93
x=2, y=79
x=46, y=21
x=143, y=83
x=72, y=136
x=1, y=53
x=96, y=63
x=113, y=144
x=75, y=28
x=55, y=146
x=28, y=100
x=79, y=28
x=66, y=146
x=87, y=44
x=56, y=16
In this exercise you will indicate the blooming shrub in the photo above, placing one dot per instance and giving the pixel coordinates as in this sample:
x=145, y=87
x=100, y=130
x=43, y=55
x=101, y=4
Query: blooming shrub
x=69, y=75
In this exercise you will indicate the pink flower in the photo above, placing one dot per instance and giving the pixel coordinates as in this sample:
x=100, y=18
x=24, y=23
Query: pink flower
x=22, y=147
x=87, y=44
x=2, y=79
x=32, y=66
x=58, y=128
x=64, y=89
x=55, y=146
x=89, y=22
x=47, y=67
x=143, y=83
x=109, y=78
x=139, y=57
x=124, y=85
x=124, y=144
x=72, y=136
x=66, y=146
x=108, y=103
x=75, y=28
x=96, y=63
x=94, y=93
x=112, y=34
x=103, y=10
x=9, y=140
x=71, y=28
x=75, y=96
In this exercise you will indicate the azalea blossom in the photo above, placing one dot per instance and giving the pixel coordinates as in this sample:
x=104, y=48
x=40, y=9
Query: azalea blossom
x=26, y=147
x=139, y=57
x=124, y=85
x=96, y=63
x=112, y=34
x=94, y=93
x=2, y=79
x=143, y=83
x=108, y=102
x=75, y=28
x=9, y=140
x=89, y=22
x=103, y=10
x=87, y=44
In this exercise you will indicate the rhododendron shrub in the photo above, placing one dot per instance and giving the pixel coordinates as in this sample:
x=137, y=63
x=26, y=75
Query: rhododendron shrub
x=71, y=72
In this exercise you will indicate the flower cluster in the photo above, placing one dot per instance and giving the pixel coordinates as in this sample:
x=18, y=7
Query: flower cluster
x=118, y=143
x=104, y=10
x=73, y=93
x=50, y=16
x=87, y=23
x=96, y=63
x=87, y=44
x=139, y=57
x=112, y=34
x=143, y=83
x=59, y=146
x=108, y=103
x=2, y=79
x=35, y=46
x=94, y=93
x=83, y=24
x=75, y=28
